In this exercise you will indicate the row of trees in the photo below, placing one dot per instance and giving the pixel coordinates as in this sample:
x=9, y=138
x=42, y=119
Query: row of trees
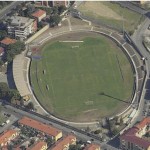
x=7, y=93
x=12, y=51
x=55, y=15
x=13, y=96
x=4, y=4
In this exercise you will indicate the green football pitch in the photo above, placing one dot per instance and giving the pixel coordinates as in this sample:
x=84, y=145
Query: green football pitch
x=82, y=80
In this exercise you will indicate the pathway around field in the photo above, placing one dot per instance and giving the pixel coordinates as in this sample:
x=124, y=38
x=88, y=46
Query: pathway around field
x=51, y=33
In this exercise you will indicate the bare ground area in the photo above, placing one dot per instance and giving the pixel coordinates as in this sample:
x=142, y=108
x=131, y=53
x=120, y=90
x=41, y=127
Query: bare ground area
x=98, y=8
x=76, y=21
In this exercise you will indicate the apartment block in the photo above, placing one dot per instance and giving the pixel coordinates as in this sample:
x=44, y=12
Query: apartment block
x=39, y=15
x=92, y=147
x=21, y=27
x=7, y=136
x=64, y=143
x=40, y=127
x=137, y=137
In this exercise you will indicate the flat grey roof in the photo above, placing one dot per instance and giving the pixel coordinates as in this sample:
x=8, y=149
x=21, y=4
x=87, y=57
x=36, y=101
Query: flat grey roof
x=20, y=21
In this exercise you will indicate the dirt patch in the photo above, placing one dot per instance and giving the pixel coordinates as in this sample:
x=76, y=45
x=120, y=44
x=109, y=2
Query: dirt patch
x=98, y=8
x=89, y=115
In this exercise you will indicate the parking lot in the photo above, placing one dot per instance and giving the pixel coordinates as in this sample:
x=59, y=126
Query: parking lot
x=10, y=120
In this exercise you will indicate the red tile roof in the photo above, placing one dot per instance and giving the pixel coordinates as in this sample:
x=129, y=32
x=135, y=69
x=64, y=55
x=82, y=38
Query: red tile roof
x=143, y=123
x=130, y=136
x=38, y=146
x=92, y=147
x=6, y=135
x=65, y=141
x=39, y=13
x=39, y=126
x=8, y=41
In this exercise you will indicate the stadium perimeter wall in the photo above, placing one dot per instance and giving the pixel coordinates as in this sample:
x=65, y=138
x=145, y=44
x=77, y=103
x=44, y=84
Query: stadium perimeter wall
x=37, y=34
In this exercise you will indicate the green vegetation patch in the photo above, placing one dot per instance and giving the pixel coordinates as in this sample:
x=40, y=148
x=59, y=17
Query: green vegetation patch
x=82, y=80
x=112, y=14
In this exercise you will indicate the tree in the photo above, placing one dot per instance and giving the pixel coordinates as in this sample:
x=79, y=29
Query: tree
x=74, y=147
x=10, y=147
x=30, y=9
x=54, y=20
x=55, y=10
x=8, y=94
x=114, y=131
x=30, y=106
x=1, y=62
x=48, y=10
x=72, y=2
x=116, y=119
x=3, y=34
x=50, y=141
x=13, y=49
x=61, y=9
x=9, y=56
x=32, y=141
x=16, y=48
x=3, y=89
x=121, y=121
x=97, y=131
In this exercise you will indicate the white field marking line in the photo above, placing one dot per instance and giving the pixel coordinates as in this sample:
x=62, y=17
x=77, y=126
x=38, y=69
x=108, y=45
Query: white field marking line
x=72, y=41
x=140, y=79
x=110, y=33
x=50, y=33
x=3, y=74
x=138, y=67
x=123, y=43
x=133, y=55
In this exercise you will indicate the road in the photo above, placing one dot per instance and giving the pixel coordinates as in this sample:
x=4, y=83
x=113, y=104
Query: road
x=137, y=38
x=64, y=127
x=80, y=136
x=132, y=7
x=7, y=9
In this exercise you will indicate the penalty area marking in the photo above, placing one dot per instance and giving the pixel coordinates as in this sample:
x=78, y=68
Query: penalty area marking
x=71, y=41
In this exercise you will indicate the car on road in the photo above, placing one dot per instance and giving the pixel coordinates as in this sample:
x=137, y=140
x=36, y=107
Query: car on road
x=88, y=142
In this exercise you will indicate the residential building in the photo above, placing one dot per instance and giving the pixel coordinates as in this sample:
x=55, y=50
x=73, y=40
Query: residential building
x=44, y=3
x=48, y=130
x=39, y=15
x=41, y=145
x=7, y=41
x=64, y=143
x=1, y=51
x=142, y=2
x=7, y=136
x=92, y=147
x=21, y=27
x=60, y=3
x=134, y=138
x=52, y=3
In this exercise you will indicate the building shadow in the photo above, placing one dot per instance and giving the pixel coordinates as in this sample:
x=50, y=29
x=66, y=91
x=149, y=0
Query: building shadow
x=10, y=78
x=147, y=86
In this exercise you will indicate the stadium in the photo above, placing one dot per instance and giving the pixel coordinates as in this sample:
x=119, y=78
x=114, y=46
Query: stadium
x=82, y=76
